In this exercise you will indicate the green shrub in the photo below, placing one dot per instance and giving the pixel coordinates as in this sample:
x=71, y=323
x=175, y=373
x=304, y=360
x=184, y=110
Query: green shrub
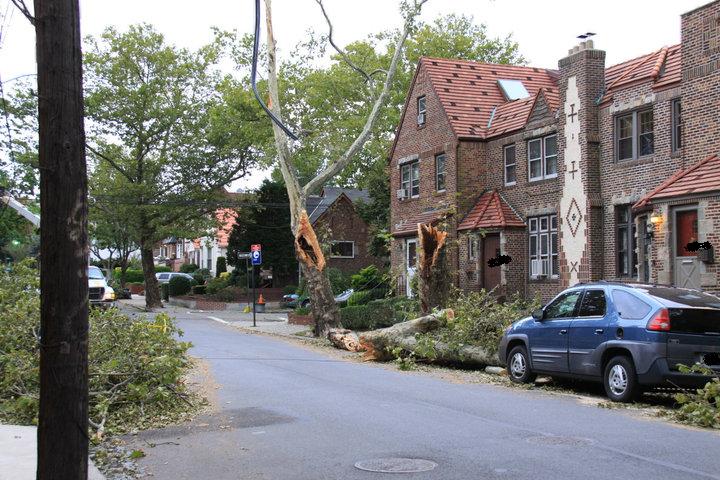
x=230, y=294
x=199, y=278
x=204, y=272
x=364, y=296
x=238, y=277
x=357, y=317
x=302, y=311
x=132, y=275
x=378, y=314
x=289, y=289
x=198, y=289
x=214, y=285
x=220, y=266
x=180, y=285
x=339, y=281
x=162, y=268
x=702, y=406
x=135, y=365
x=370, y=278
x=188, y=267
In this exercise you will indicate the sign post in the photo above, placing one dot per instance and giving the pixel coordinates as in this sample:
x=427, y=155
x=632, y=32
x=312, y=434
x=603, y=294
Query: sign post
x=256, y=257
x=246, y=256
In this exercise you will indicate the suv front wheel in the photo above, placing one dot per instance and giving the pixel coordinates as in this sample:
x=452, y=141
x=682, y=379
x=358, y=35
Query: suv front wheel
x=620, y=380
x=518, y=366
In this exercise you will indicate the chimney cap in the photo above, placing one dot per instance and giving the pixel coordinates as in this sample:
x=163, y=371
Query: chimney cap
x=585, y=35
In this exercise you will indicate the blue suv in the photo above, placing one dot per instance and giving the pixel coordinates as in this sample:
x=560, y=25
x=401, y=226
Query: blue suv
x=628, y=336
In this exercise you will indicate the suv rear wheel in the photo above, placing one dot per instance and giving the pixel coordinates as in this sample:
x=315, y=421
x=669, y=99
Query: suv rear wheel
x=620, y=380
x=518, y=366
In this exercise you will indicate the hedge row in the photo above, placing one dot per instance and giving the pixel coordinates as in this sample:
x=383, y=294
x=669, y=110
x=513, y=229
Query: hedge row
x=378, y=313
x=135, y=275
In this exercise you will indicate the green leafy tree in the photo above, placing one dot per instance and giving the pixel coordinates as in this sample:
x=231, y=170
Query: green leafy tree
x=156, y=121
x=266, y=223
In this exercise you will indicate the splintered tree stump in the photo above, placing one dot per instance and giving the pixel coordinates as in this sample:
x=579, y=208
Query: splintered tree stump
x=433, y=274
x=345, y=339
x=324, y=309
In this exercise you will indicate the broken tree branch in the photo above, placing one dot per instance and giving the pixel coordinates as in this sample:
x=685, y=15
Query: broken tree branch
x=340, y=163
x=345, y=57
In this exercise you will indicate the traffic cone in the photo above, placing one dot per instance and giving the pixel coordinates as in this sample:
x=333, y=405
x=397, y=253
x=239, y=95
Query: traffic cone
x=261, y=300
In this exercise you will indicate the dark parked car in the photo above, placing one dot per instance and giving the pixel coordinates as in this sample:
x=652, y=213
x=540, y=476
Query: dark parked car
x=628, y=336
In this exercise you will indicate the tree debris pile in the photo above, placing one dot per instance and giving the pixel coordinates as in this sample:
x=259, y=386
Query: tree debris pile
x=466, y=334
x=136, y=366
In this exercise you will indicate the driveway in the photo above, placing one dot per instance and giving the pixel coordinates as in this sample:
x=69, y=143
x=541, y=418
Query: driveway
x=287, y=412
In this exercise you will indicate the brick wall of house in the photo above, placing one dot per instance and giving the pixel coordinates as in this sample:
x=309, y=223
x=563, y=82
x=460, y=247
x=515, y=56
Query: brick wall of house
x=341, y=222
x=701, y=81
x=625, y=182
x=425, y=142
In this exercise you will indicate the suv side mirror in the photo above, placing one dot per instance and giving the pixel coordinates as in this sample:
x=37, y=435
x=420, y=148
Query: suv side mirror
x=538, y=314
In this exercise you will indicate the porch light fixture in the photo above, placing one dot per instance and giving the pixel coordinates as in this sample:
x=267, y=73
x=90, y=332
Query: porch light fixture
x=655, y=218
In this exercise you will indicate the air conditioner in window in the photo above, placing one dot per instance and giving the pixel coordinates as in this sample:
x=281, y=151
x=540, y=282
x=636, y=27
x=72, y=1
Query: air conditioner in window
x=402, y=194
x=421, y=118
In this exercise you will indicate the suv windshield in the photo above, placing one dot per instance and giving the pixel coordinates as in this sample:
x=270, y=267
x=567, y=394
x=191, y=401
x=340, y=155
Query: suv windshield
x=95, y=273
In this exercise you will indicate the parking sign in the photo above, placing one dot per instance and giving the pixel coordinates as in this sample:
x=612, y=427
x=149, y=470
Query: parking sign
x=256, y=254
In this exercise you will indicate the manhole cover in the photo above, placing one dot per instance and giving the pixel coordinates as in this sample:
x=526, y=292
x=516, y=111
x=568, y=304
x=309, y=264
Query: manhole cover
x=396, y=465
x=559, y=440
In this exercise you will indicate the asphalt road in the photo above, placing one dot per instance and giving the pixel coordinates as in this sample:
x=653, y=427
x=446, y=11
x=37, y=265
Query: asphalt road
x=291, y=413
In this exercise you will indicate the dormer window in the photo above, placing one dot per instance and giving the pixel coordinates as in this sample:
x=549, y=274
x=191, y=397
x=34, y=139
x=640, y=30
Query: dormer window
x=421, y=111
x=513, y=89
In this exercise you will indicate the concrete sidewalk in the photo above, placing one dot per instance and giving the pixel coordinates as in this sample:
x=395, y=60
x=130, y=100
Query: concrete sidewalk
x=18, y=454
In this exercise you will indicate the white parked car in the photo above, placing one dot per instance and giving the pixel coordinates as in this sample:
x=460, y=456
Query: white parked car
x=165, y=277
x=101, y=294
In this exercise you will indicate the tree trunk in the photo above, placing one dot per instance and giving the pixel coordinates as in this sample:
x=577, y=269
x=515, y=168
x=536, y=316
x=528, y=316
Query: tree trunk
x=152, y=288
x=345, y=339
x=378, y=343
x=62, y=440
x=322, y=301
x=433, y=274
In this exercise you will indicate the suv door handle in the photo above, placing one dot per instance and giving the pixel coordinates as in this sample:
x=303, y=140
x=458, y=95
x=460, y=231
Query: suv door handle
x=598, y=331
x=563, y=331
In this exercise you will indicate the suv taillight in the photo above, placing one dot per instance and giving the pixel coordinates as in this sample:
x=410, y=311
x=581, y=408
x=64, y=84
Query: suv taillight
x=660, y=322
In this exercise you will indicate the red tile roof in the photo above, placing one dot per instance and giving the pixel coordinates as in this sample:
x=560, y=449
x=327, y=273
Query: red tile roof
x=226, y=217
x=661, y=67
x=469, y=91
x=491, y=211
x=410, y=226
x=702, y=177
x=477, y=108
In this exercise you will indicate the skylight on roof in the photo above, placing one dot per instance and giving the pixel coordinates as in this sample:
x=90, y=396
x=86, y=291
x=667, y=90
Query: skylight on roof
x=513, y=89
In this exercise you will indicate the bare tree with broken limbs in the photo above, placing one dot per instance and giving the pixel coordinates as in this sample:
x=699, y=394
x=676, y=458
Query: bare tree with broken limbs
x=307, y=248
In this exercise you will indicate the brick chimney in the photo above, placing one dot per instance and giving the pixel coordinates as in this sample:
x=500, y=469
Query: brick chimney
x=581, y=82
x=700, y=78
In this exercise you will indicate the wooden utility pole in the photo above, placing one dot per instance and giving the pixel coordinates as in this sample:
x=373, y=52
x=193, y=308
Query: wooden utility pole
x=63, y=418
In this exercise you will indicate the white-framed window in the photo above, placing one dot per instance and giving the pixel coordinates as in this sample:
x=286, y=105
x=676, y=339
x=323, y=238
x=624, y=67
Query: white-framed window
x=342, y=249
x=472, y=245
x=410, y=179
x=440, y=172
x=542, y=157
x=421, y=111
x=634, y=135
x=510, y=164
x=676, y=125
x=543, y=246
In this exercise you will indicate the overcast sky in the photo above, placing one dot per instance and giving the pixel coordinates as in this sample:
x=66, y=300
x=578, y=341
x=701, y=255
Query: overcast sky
x=545, y=30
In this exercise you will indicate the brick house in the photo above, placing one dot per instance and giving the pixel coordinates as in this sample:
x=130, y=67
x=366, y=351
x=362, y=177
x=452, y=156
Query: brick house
x=338, y=225
x=579, y=173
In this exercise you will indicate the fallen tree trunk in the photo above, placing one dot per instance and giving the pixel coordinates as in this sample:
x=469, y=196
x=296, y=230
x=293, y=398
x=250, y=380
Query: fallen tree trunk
x=345, y=339
x=378, y=344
